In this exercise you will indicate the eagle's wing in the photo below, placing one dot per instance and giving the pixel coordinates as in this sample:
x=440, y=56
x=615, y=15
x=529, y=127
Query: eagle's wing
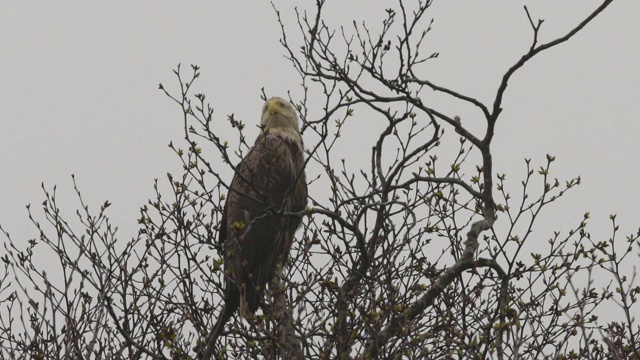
x=222, y=227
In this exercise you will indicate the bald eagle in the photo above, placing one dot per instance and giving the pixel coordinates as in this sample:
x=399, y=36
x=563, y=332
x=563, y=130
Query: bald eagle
x=256, y=236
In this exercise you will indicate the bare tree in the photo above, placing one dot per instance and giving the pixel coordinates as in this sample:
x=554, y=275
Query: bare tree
x=400, y=257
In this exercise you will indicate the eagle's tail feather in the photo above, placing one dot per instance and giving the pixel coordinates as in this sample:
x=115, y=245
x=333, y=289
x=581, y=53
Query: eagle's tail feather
x=229, y=308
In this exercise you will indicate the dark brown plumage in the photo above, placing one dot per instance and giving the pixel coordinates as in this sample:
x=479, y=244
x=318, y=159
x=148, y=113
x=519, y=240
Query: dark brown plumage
x=256, y=237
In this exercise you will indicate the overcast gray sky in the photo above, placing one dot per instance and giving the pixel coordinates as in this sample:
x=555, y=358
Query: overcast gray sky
x=78, y=92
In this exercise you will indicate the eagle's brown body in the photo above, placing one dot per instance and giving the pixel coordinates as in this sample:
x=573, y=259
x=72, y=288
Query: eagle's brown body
x=255, y=230
x=268, y=182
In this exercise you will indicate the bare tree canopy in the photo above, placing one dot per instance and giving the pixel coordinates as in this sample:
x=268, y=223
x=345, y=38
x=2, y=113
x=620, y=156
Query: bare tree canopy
x=414, y=247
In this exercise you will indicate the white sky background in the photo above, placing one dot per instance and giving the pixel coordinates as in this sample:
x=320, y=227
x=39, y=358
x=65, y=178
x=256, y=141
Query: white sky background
x=78, y=94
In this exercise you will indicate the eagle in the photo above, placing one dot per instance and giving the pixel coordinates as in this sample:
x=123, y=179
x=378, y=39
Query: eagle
x=257, y=226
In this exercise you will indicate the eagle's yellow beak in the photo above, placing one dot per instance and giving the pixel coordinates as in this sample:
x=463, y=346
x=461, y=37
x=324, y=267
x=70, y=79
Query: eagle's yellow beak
x=273, y=107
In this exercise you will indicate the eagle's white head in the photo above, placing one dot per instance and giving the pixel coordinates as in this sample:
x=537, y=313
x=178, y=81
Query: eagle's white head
x=278, y=115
